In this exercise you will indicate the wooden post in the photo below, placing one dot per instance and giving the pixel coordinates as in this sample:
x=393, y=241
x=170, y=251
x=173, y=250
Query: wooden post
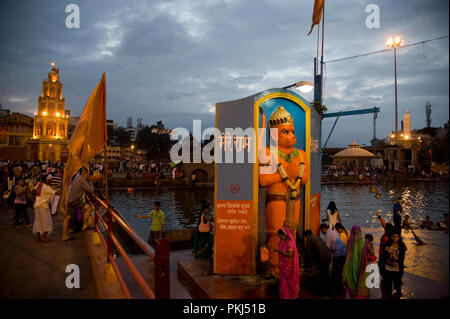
x=110, y=247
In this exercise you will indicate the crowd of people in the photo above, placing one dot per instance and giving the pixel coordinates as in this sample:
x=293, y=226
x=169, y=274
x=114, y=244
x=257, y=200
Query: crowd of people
x=143, y=169
x=337, y=265
x=39, y=185
x=337, y=170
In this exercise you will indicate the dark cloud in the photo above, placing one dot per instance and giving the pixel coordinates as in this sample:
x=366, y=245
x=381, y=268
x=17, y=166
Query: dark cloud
x=174, y=60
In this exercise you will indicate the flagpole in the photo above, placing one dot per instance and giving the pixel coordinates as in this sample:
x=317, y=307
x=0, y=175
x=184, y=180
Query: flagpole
x=318, y=39
x=321, y=56
x=323, y=25
x=105, y=153
x=105, y=171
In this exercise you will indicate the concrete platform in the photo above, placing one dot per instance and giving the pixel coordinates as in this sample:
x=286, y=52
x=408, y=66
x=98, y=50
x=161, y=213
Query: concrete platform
x=37, y=270
x=203, y=284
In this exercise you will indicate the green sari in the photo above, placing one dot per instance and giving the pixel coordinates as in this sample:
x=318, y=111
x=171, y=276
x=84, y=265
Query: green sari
x=202, y=242
x=355, y=264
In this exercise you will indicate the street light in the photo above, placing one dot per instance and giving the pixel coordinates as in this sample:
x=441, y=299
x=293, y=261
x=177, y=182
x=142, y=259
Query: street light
x=303, y=86
x=394, y=43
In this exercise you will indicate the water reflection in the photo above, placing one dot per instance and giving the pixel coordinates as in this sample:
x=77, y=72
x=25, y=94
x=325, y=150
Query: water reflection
x=356, y=204
x=181, y=207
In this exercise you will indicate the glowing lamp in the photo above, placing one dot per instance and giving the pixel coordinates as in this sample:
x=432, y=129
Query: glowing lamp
x=44, y=113
x=396, y=42
x=305, y=86
x=57, y=114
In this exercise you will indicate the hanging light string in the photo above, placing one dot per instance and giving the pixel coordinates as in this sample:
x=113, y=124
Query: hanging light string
x=385, y=50
x=370, y=53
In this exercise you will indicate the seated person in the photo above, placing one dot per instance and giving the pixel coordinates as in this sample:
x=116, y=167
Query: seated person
x=427, y=223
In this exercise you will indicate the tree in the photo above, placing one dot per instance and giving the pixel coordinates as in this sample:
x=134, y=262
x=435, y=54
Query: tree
x=111, y=134
x=378, y=142
x=123, y=137
x=157, y=145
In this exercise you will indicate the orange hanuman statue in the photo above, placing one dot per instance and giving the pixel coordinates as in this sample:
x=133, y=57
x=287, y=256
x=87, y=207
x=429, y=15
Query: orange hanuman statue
x=283, y=185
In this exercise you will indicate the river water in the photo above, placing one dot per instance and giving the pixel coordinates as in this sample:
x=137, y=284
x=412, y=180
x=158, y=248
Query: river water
x=355, y=203
x=357, y=206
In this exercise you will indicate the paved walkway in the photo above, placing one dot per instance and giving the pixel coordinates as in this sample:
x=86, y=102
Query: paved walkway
x=31, y=269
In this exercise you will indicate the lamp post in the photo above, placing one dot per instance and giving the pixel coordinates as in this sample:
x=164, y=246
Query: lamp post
x=394, y=43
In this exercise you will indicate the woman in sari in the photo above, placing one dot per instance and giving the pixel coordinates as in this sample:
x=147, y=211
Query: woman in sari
x=355, y=264
x=202, y=235
x=288, y=265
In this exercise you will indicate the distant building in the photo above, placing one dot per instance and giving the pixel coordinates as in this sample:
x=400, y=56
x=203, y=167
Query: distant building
x=113, y=152
x=3, y=112
x=72, y=124
x=129, y=122
x=110, y=123
x=133, y=131
x=159, y=128
x=16, y=130
x=404, y=155
x=49, y=141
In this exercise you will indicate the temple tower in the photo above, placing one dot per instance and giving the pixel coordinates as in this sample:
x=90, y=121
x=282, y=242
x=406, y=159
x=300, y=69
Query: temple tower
x=50, y=121
x=407, y=124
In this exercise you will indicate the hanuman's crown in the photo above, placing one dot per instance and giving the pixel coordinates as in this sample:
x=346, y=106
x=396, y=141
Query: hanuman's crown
x=280, y=116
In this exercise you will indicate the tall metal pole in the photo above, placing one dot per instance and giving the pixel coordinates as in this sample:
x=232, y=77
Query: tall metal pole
x=396, y=114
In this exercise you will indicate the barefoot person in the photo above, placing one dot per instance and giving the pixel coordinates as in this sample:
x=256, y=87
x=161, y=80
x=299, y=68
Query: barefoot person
x=43, y=224
x=398, y=215
x=157, y=227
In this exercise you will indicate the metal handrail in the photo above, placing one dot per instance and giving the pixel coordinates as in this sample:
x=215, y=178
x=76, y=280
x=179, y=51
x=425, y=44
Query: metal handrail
x=112, y=242
x=146, y=248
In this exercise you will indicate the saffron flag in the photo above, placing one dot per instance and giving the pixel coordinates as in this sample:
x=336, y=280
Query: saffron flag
x=89, y=137
x=317, y=13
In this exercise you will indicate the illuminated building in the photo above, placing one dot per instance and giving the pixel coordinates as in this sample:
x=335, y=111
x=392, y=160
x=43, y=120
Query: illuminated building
x=50, y=132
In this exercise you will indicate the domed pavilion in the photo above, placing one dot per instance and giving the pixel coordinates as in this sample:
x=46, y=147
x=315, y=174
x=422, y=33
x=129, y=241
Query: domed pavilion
x=353, y=155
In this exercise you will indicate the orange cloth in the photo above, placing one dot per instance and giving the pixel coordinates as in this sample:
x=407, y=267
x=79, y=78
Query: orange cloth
x=89, y=137
x=317, y=14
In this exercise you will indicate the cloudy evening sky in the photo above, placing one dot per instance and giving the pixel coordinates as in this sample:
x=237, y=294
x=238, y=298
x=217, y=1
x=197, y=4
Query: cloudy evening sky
x=173, y=60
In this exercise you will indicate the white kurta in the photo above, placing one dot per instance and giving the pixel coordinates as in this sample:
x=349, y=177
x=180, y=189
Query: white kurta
x=42, y=217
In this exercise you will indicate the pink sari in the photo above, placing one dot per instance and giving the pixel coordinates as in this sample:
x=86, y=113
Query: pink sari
x=289, y=268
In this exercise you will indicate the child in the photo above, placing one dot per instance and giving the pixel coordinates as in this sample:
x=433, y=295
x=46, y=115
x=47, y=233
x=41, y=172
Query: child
x=370, y=250
x=157, y=223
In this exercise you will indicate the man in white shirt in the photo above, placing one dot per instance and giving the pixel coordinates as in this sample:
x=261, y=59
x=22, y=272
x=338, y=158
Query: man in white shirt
x=43, y=224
